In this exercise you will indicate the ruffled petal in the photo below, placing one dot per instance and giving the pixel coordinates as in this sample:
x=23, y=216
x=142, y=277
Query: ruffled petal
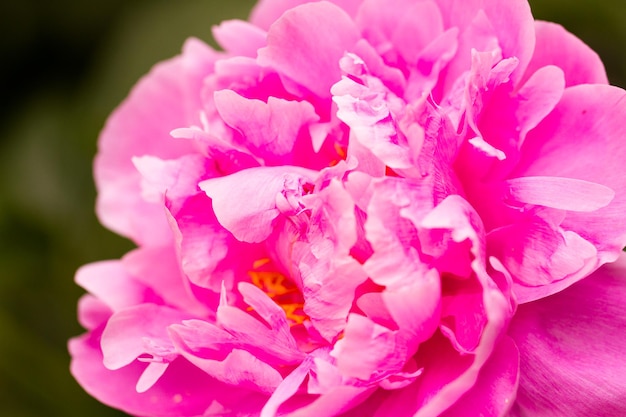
x=251, y=220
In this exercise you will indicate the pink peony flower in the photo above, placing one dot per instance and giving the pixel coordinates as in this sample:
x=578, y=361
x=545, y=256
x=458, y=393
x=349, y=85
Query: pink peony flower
x=360, y=208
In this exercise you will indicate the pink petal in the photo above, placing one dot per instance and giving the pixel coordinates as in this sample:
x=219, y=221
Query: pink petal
x=583, y=139
x=113, y=285
x=335, y=402
x=239, y=37
x=496, y=387
x=306, y=43
x=252, y=219
x=92, y=312
x=270, y=341
x=140, y=126
x=408, y=26
x=287, y=388
x=239, y=369
x=369, y=351
x=416, y=307
x=159, y=269
x=266, y=12
x=139, y=330
x=559, y=193
x=556, y=46
x=510, y=23
x=183, y=391
x=329, y=274
x=542, y=259
x=269, y=130
x=571, y=348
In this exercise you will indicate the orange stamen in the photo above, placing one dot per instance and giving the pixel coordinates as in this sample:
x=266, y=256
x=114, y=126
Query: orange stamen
x=282, y=291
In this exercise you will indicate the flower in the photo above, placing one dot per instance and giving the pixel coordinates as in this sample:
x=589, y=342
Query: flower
x=364, y=209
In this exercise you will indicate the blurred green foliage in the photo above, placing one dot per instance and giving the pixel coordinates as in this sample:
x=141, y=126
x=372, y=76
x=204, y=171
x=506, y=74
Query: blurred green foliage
x=65, y=66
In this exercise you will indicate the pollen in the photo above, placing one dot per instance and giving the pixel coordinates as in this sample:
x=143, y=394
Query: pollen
x=281, y=290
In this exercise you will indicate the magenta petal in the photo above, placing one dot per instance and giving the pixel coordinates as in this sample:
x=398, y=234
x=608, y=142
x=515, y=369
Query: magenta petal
x=571, y=346
x=541, y=258
x=239, y=369
x=556, y=46
x=287, y=388
x=583, y=139
x=139, y=330
x=306, y=43
x=159, y=270
x=184, y=390
x=494, y=393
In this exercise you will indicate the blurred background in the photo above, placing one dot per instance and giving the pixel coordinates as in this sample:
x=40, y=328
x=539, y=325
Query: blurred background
x=65, y=65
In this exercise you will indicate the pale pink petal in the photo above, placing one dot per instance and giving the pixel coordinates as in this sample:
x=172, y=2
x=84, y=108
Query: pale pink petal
x=269, y=130
x=510, y=24
x=306, y=43
x=252, y=220
x=367, y=110
x=239, y=37
x=92, y=312
x=266, y=12
x=175, y=178
x=406, y=28
x=369, y=351
x=112, y=284
x=139, y=330
x=559, y=193
x=571, y=346
x=556, y=46
x=416, y=307
x=329, y=274
x=141, y=126
x=159, y=270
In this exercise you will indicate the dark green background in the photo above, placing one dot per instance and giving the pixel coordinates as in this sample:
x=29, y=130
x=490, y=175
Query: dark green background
x=64, y=66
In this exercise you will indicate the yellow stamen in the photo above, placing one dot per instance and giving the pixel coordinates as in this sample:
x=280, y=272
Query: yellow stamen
x=282, y=291
x=260, y=262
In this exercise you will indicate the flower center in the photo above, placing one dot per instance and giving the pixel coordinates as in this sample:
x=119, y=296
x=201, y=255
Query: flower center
x=280, y=289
